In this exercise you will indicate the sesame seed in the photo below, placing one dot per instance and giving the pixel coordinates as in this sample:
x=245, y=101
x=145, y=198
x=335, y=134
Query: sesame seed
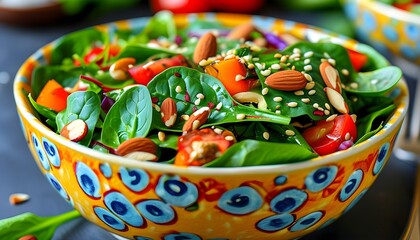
x=331, y=61
x=307, y=68
x=240, y=116
x=275, y=66
x=293, y=67
x=347, y=136
x=326, y=112
x=294, y=56
x=283, y=59
x=264, y=91
x=277, y=55
x=299, y=93
x=310, y=85
x=259, y=65
x=229, y=138
x=296, y=50
x=265, y=73
x=185, y=117
x=307, y=61
x=247, y=58
x=266, y=135
x=219, y=106
x=251, y=66
x=229, y=56
x=308, y=54
x=218, y=131
x=289, y=132
x=345, y=72
x=331, y=118
x=320, y=109
x=196, y=124
x=197, y=101
x=277, y=99
x=354, y=85
x=178, y=89
x=312, y=92
x=278, y=112
x=239, y=77
x=315, y=105
x=354, y=117
x=200, y=96
x=327, y=106
x=278, y=106
x=157, y=108
x=255, y=48
x=292, y=104
x=305, y=100
x=161, y=136
x=326, y=55
x=255, y=59
x=204, y=62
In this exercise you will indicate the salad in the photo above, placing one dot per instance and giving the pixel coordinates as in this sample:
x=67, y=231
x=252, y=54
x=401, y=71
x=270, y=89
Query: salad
x=212, y=96
x=412, y=6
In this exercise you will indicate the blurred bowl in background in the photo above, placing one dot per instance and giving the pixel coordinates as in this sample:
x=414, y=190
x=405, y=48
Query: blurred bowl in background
x=386, y=28
x=31, y=14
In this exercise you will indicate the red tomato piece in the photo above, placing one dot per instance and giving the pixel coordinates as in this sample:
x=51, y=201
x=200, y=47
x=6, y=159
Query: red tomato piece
x=358, y=60
x=95, y=55
x=227, y=71
x=199, y=147
x=143, y=73
x=237, y=6
x=326, y=137
x=181, y=6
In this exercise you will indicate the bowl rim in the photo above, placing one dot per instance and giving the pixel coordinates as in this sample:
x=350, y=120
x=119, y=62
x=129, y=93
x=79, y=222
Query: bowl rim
x=393, y=12
x=27, y=114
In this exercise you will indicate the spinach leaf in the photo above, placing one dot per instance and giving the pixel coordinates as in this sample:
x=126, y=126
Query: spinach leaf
x=257, y=153
x=320, y=52
x=84, y=105
x=367, y=123
x=141, y=52
x=376, y=82
x=191, y=90
x=129, y=117
x=44, y=111
x=75, y=43
x=160, y=25
x=31, y=224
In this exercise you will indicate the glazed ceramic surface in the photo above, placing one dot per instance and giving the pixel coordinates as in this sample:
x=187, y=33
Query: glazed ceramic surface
x=386, y=28
x=144, y=200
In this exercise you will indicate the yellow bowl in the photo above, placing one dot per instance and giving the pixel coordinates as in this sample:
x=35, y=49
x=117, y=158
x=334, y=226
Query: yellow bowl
x=146, y=200
x=386, y=28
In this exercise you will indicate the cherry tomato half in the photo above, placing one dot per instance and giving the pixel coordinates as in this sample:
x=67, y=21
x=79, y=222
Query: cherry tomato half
x=143, y=73
x=326, y=137
x=199, y=147
x=227, y=71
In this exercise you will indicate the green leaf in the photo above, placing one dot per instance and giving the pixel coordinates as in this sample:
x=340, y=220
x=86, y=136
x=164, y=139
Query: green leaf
x=129, y=117
x=81, y=105
x=44, y=111
x=31, y=224
x=141, y=52
x=160, y=25
x=185, y=86
x=366, y=126
x=257, y=153
x=374, y=83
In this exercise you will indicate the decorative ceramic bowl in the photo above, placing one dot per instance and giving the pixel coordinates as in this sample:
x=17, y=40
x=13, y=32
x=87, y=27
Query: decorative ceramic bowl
x=146, y=200
x=386, y=28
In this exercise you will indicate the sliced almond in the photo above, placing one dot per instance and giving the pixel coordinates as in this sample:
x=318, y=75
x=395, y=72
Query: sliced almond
x=330, y=76
x=18, y=198
x=196, y=119
x=251, y=97
x=75, y=130
x=119, y=69
x=138, y=144
x=286, y=80
x=206, y=47
x=168, y=112
x=141, y=156
x=242, y=31
x=336, y=100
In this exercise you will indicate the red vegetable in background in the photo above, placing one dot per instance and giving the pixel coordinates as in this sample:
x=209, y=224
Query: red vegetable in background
x=190, y=6
x=326, y=136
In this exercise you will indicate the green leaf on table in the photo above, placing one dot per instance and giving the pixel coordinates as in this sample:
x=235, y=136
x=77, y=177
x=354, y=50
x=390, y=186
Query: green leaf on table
x=31, y=224
x=374, y=83
x=192, y=90
x=257, y=153
x=129, y=117
x=84, y=105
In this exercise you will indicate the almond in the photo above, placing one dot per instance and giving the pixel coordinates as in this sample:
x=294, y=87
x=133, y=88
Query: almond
x=242, y=31
x=196, y=119
x=330, y=76
x=336, y=100
x=206, y=47
x=119, y=70
x=286, y=80
x=138, y=144
x=168, y=112
x=75, y=130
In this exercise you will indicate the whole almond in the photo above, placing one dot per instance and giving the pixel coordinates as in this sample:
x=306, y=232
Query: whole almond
x=168, y=112
x=286, y=80
x=242, y=31
x=330, y=76
x=75, y=130
x=138, y=144
x=196, y=119
x=206, y=47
